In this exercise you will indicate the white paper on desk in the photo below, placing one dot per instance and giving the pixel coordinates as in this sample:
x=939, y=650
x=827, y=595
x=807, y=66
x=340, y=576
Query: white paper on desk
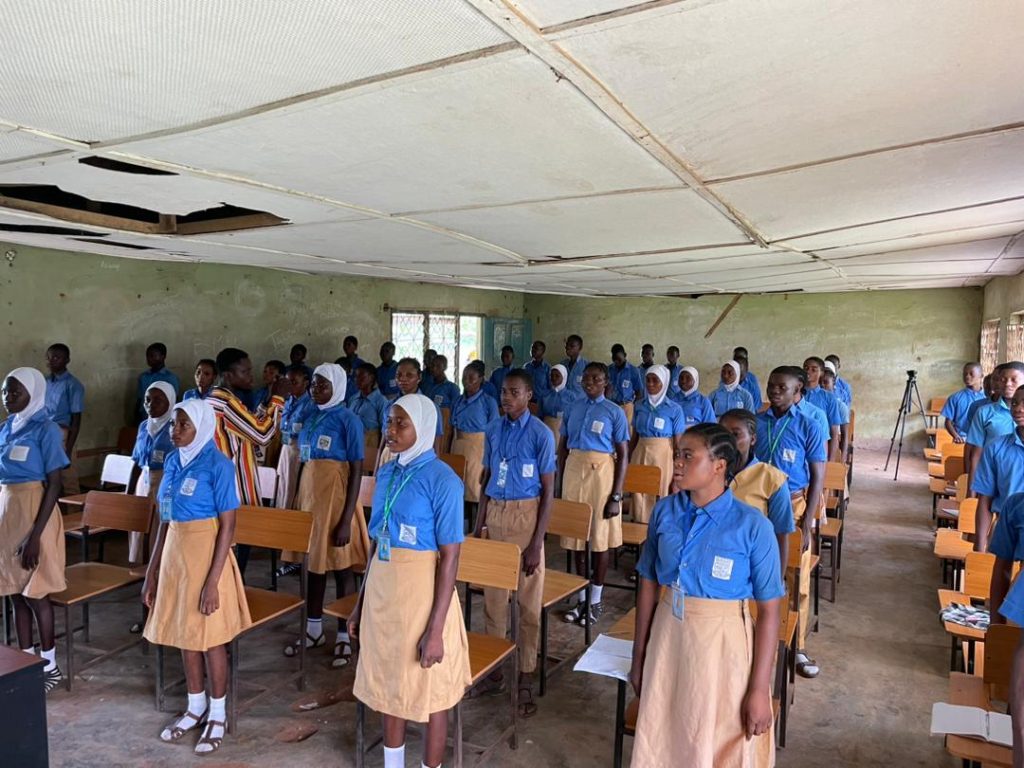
x=993, y=727
x=608, y=656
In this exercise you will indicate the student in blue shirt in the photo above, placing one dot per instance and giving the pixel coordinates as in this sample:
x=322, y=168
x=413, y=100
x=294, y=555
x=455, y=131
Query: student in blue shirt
x=593, y=451
x=272, y=371
x=32, y=536
x=1007, y=544
x=350, y=346
x=698, y=658
x=999, y=474
x=515, y=505
x=387, y=372
x=471, y=414
x=954, y=412
x=414, y=655
x=331, y=453
x=658, y=427
x=815, y=395
x=205, y=376
x=152, y=446
x=498, y=374
x=193, y=587
x=843, y=390
x=557, y=399
x=674, y=370
x=994, y=419
x=828, y=383
x=625, y=384
x=65, y=402
x=408, y=377
x=295, y=413
x=438, y=387
x=156, y=359
x=372, y=409
x=992, y=386
x=729, y=394
x=539, y=370
x=748, y=382
x=647, y=357
x=696, y=407
x=574, y=364
x=297, y=359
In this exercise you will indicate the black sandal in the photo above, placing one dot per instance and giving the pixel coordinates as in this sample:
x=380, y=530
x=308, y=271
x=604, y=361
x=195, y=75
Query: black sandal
x=527, y=706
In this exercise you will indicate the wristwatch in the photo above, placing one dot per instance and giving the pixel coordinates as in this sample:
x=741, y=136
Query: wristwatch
x=616, y=497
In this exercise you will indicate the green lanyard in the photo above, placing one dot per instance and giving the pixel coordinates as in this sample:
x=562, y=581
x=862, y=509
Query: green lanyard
x=774, y=444
x=389, y=499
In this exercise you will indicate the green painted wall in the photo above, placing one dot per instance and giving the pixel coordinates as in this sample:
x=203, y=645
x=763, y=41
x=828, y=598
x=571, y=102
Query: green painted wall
x=878, y=336
x=1004, y=296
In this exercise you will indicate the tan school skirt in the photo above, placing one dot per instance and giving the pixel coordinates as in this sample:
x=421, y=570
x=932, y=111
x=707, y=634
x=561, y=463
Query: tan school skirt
x=371, y=445
x=19, y=505
x=695, y=678
x=555, y=425
x=627, y=409
x=287, y=476
x=322, y=491
x=651, y=452
x=397, y=599
x=588, y=478
x=385, y=457
x=471, y=445
x=175, y=619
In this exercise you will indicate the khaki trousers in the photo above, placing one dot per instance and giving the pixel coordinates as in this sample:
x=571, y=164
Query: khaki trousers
x=804, y=587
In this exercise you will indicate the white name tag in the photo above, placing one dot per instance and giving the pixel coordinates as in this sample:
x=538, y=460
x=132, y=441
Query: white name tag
x=721, y=568
x=789, y=455
x=296, y=427
x=158, y=456
x=393, y=383
x=528, y=470
x=323, y=442
x=188, y=487
x=18, y=453
x=597, y=427
x=439, y=399
x=659, y=423
x=407, y=534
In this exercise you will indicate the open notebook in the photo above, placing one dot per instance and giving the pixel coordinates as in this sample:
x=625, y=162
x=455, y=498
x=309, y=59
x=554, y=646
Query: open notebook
x=978, y=723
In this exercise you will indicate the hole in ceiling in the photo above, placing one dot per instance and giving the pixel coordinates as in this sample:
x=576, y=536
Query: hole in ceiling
x=109, y=164
x=43, y=229
x=53, y=201
x=114, y=243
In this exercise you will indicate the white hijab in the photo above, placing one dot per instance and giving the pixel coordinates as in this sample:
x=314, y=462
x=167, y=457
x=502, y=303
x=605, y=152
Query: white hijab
x=153, y=426
x=831, y=366
x=565, y=376
x=736, y=367
x=335, y=374
x=35, y=383
x=663, y=375
x=696, y=380
x=423, y=413
x=201, y=414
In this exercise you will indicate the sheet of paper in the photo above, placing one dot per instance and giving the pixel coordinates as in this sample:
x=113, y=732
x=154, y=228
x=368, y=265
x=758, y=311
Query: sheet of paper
x=1000, y=729
x=993, y=727
x=607, y=656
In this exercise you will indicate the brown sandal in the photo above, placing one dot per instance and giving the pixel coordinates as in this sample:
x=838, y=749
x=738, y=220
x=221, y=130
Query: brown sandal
x=212, y=741
x=177, y=734
x=527, y=706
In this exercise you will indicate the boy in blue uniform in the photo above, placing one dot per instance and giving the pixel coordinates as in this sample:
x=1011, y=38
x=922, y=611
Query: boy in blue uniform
x=843, y=390
x=999, y=474
x=954, y=412
x=156, y=359
x=993, y=420
x=749, y=381
x=815, y=395
x=646, y=357
x=674, y=369
x=625, y=384
x=297, y=358
x=574, y=364
x=498, y=374
x=65, y=402
x=387, y=372
x=515, y=505
x=539, y=370
x=437, y=386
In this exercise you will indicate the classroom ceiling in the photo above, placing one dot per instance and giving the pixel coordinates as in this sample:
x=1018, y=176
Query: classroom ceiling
x=590, y=147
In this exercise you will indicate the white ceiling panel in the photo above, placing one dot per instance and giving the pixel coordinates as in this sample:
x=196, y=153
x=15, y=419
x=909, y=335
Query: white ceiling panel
x=672, y=258
x=638, y=221
x=912, y=269
x=104, y=69
x=501, y=130
x=747, y=86
x=957, y=237
x=16, y=144
x=546, y=13
x=699, y=270
x=981, y=250
x=874, y=188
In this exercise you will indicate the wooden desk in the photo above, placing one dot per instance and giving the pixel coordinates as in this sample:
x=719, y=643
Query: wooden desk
x=78, y=500
x=23, y=702
x=967, y=690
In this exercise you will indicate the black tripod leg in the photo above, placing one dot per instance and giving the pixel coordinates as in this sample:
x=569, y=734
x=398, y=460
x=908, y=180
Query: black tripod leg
x=900, y=420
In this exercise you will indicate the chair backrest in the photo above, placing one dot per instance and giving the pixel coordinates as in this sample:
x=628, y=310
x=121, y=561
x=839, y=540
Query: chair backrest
x=942, y=437
x=849, y=429
x=266, y=479
x=796, y=543
x=446, y=420
x=1001, y=641
x=835, y=478
x=962, y=488
x=642, y=479
x=367, y=486
x=936, y=403
x=951, y=449
x=978, y=574
x=273, y=528
x=126, y=440
x=953, y=467
x=457, y=462
x=117, y=470
x=571, y=519
x=117, y=510
x=967, y=519
x=488, y=563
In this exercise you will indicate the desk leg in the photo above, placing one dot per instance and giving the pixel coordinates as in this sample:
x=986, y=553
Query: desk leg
x=620, y=723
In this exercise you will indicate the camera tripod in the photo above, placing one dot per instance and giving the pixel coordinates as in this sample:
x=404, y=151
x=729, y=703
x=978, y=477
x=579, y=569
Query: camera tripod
x=911, y=396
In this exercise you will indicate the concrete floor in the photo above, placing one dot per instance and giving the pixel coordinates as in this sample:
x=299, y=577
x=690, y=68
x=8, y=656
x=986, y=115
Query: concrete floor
x=883, y=653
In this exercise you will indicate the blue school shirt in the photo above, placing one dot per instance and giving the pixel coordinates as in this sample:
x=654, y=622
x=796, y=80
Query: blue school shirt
x=574, y=381
x=387, y=380
x=193, y=394
x=555, y=404
x=958, y=406
x=260, y=396
x=488, y=389
x=673, y=379
x=443, y=393
x=991, y=421
x=473, y=414
x=696, y=408
x=65, y=396
x=31, y=453
x=1000, y=472
x=527, y=447
x=594, y=425
x=667, y=420
x=722, y=400
x=294, y=415
x=724, y=551
x=829, y=403
x=498, y=377
x=843, y=391
x=372, y=410
x=1007, y=542
x=790, y=443
x=818, y=416
x=626, y=383
x=541, y=373
x=203, y=489
x=753, y=387
x=335, y=434
x=427, y=511
x=151, y=451
x=149, y=378
x=1012, y=606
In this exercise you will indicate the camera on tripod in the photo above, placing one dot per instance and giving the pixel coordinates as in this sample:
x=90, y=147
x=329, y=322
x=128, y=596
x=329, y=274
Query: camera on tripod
x=911, y=374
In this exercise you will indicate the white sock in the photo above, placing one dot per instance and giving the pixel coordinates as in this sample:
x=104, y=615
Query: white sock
x=314, y=627
x=31, y=650
x=196, y=706
x=217, y=712
x=595, y=593
x=581, y=596
x=51, y=658
x=394, y=757
x=343, y=637
x=197, y=703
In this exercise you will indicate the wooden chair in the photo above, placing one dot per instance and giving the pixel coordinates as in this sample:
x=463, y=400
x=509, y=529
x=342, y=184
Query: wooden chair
x=934, y=412
x=796, y=542
x=830, y=530
x=942, y=437
x=977, y=581
x=849, y=446
x=87, y=581
x=276, y=529
x=341, y=608
x=644, y=480
x=937, y=468
x=126, y=440
x=946, y=487
x=116, y=475
x=457, y=462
